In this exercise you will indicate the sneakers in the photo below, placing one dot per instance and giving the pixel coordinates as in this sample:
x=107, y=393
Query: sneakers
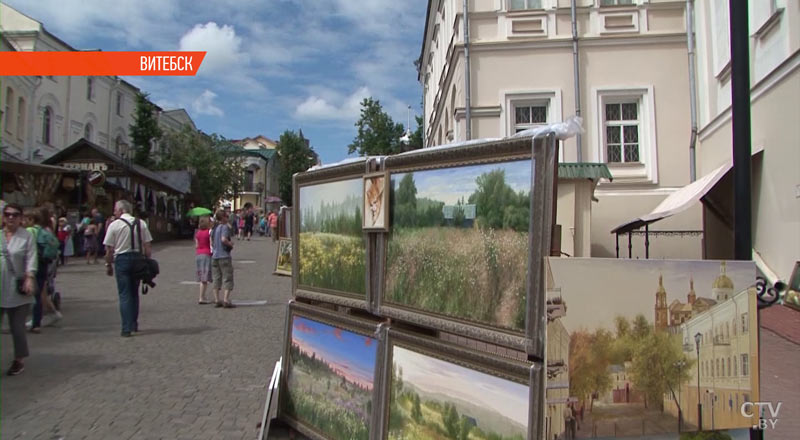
x=126, y=334
x=17, y=367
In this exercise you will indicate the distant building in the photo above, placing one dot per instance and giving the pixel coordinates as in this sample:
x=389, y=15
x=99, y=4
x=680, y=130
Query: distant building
x=261, y=170
x=468, y=212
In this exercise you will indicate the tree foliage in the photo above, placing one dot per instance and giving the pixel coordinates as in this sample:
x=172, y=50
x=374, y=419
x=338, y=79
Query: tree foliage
x=217, y=172
x=416, y=136
x=144, y=130
x=377, y=133
x=659, y=366
x=296, y=156
x=498, y=206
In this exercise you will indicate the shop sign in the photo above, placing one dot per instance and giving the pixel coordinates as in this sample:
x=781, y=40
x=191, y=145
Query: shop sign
x=86, y=166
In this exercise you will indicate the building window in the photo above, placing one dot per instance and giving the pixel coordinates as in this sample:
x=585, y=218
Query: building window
x=47, y=122
x=21, y=117
x=733, y=326
x=9, y=103
x=745, y=370
x=518, y=5
x=716, y=368
x=87, y=131
x=529, y=115
x=615, y=2
x=119, y=103
x=117, y=145
x=729, y=367
x=90, y=88
x=735, y=367
x=622, y=132
x=744, y=322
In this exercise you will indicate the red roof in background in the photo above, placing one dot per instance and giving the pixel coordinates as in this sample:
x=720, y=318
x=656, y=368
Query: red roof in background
x=783, y=320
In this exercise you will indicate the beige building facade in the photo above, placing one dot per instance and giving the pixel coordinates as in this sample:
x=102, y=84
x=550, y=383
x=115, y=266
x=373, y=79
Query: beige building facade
x=261, y=170
x=774, y=31
x=633, y=91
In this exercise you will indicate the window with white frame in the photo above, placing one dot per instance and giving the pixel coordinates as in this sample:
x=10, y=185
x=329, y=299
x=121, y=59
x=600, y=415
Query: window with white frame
x=745, y=369
x=7, y=114
x=529, y=115
x=520, y=5
x=622, y=131
x=21, y=108
x=47, y=121
x=625, y=137
x=87, y=131
x=90, y=88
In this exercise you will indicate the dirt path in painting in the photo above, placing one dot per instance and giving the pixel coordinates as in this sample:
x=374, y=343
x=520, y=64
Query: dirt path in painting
x=506, y=309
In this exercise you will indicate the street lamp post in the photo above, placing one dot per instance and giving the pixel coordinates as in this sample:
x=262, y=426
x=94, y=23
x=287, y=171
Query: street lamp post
x=679, y=365
x=697, y=338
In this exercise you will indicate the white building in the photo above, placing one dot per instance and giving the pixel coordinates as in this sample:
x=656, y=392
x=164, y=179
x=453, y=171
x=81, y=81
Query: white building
x=42, y=115
x=632, y=65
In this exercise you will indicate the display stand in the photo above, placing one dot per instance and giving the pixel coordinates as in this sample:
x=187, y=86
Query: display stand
x=274, y=382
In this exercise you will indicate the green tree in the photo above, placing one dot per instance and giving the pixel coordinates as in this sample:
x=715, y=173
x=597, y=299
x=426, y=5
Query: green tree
x=416, y=408
x=622, y=326
x=405, y=202
x=458, y=214
x=295, y=156
x=589, y=359
x=216, y=172
x=377, y=133
x=493, y=198
x=450, y=419
x=144, y=130
x=416, y=136
x=641, y=328
x=659, y=366
x=465, y=426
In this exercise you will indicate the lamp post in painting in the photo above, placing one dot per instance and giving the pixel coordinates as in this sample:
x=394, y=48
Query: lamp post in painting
x=697, y=338
x=679, y=365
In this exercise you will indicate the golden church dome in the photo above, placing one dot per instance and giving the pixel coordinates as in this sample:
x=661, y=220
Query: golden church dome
x=722, y=281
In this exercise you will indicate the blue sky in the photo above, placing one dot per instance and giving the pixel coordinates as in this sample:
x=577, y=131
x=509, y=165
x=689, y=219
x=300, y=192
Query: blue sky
x=450, y=184
x=272, y=65
x=346, y=350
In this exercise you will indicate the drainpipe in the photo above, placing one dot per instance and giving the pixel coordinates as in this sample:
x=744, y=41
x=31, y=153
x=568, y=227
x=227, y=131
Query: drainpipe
x=576, y=75
x=30, y=139
x=692, y=90
x=67, y=117
x=467, y=98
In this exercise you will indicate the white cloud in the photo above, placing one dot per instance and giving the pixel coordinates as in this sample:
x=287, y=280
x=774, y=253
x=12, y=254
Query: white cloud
x=204, y=104
x=221, y=43
x=327, y=105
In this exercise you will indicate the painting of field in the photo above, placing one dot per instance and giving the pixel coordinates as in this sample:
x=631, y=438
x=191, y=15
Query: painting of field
x=331, y=244
x=436, y=399
x=330, y=379
x=283, y=261
x=459, y=242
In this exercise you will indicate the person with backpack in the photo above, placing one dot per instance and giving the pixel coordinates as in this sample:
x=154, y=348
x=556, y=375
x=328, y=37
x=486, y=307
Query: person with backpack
x=37, y=222
x=221, y=260
x=127, y=239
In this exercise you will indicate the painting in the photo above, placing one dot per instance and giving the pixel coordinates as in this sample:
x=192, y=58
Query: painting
x=459, y=244
x=376, y=202
x=331, y=248
x=330, y=379
x=283, y=261
x=634, y=347
x=433, y=398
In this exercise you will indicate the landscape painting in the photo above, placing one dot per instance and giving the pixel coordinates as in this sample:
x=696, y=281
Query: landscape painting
x=459, y=242
x=330, y=379
x=331, y=244
x=435, y=399
x=283, y=261
x=634, y=347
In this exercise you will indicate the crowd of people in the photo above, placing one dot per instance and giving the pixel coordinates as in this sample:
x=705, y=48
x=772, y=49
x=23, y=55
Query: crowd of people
x=36, y=241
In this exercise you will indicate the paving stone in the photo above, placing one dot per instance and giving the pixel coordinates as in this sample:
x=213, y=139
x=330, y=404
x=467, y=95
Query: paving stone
x=193, y=368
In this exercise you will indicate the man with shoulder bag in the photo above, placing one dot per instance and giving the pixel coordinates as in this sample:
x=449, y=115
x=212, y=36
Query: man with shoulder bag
x=128, y=253
x=221, y=261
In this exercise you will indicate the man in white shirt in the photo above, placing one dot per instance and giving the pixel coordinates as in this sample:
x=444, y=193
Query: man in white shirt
x=119, y=250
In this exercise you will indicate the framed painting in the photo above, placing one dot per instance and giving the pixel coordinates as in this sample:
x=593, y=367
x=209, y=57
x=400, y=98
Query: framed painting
x=330, y=369
x=635, y=347
x=436, y=390
x=376, y=202
x=283, y=261
x=468, y=232
x=329, y=246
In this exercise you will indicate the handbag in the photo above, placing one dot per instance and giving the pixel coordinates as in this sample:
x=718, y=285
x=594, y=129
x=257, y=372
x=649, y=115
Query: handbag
x=143, y=268
x=19, y=282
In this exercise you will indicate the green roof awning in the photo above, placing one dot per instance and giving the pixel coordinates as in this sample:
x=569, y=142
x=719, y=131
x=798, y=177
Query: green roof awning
x=584, y=170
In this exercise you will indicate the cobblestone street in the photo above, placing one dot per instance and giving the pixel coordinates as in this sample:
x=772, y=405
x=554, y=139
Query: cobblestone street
x=194, y=371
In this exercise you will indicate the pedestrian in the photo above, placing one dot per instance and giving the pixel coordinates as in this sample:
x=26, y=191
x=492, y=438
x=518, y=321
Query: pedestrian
x=122, y=250
x=19, y=263
x=273, y=225
x=234, y=222
x=241, y=225
x=37, y=222
x=221, y=261
x=64, y=233
x=249, y=221
x=90, y=242
x=202, y=243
